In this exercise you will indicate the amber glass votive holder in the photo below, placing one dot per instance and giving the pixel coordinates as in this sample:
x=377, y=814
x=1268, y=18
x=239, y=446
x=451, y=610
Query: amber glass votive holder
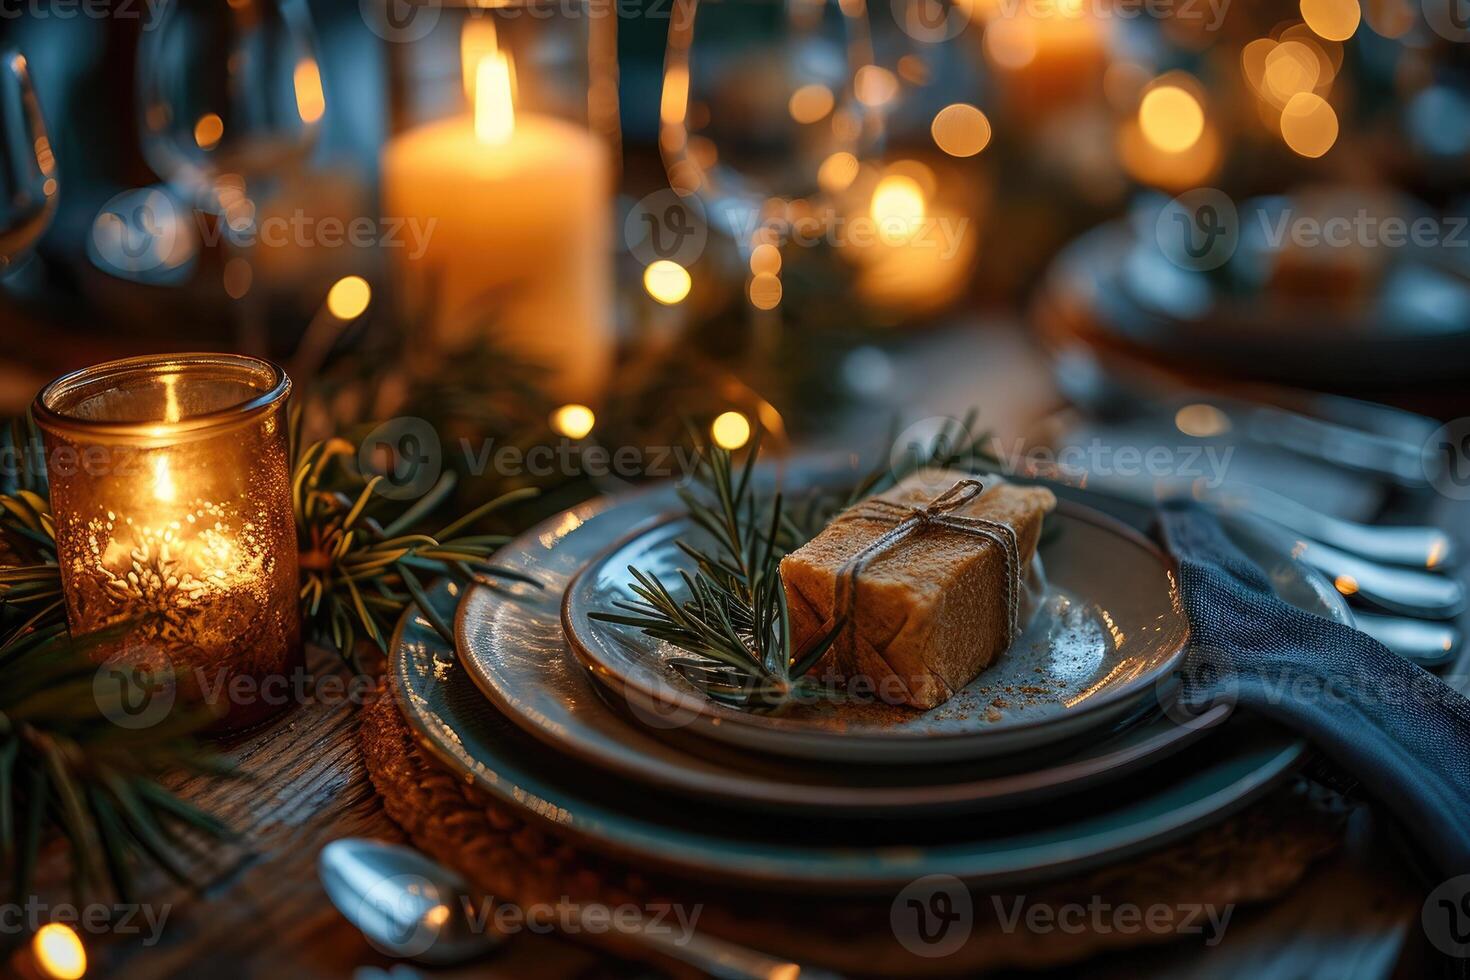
x=171, y=495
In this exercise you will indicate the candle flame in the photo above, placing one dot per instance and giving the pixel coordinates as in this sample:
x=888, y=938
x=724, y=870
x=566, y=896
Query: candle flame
x=163, y=481
x=494, y=83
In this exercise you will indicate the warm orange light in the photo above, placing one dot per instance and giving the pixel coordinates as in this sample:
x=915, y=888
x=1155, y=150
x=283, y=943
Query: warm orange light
x=1291, y=68
x=837, y=172
x=59, y=952
x=310, y=102
x=1171, y=118
x=810, y=103
x=765, y=258
x=667, y=281
x=1201, y=420
x=1346, y=584
x=897, y=208
x=765, y=291
x=730, y=431
x=573, y=421
x=675, y=100
x=349, y=297
x=495, y=114
x=1334, y=20
x=1308, y=124
x=961, y=130
x=208, y=130
x=875, y=86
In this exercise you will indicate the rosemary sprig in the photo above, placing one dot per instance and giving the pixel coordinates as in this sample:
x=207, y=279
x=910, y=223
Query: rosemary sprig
x=734, y=623
x=65, y=766
x=362, y=562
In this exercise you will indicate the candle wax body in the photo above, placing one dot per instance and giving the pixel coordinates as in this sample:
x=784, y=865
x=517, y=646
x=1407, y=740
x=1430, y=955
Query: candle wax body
x=520, y=246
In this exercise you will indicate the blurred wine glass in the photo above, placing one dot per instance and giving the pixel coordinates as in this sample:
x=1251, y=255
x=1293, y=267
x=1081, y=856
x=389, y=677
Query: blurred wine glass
x=28, y=185
x=760, y=104
x=230, y=98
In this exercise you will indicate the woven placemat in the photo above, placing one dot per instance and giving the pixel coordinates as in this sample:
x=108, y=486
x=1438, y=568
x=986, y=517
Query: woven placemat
x=513, y=857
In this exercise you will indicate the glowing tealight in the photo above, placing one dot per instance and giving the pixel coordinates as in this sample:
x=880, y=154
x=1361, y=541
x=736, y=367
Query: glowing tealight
x=1171, y=118
x=208, y=130
x=810, y=103
x=961, y=130
x=1334, y=20
x=573, y=421
x=667, y=281
x=730, y=430
x=1308, y=124
x=59, y=952
x=349, y=297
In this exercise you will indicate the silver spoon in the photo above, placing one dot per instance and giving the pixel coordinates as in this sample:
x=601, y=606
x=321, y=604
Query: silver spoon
x=404, y=904
x=409, y=905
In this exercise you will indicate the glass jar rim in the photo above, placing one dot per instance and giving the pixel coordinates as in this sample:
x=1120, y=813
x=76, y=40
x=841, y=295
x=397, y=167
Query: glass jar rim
x=248, y=369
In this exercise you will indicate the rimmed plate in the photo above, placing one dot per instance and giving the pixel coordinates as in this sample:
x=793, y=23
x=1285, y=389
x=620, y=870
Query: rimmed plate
x=458, y=726
x=1109, y=629
x=511, y=643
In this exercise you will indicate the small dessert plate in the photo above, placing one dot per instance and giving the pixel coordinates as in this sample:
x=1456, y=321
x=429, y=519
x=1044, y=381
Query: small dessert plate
x=1109, y=629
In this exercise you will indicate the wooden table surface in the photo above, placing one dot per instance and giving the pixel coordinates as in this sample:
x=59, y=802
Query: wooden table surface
x=260, y=911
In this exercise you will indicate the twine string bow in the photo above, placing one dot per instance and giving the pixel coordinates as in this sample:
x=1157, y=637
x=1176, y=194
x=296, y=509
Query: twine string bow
x=906, y=520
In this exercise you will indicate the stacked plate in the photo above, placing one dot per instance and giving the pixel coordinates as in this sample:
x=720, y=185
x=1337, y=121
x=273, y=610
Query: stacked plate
x=1057, y=758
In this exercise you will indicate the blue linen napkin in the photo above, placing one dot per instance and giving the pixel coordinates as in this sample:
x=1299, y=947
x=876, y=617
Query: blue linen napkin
x=1399, y=730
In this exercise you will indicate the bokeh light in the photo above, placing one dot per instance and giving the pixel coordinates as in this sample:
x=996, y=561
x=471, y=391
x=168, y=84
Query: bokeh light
x=59, y=952
x=837, y=172
x=765, y=291
x=667, y=281
x=208, y=130
x=765, y=258
x=1335, y=20
x=1308, y=124
x=875, y=86
x=311, y=104
x=731, y=430
x=349, y=297
x=1171, y=118
x=898, y=208
x=810, y=103
x=961, y=130
x=573, y=421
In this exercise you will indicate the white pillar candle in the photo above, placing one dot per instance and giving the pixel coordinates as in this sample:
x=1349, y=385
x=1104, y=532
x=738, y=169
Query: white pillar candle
x=520, y=244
